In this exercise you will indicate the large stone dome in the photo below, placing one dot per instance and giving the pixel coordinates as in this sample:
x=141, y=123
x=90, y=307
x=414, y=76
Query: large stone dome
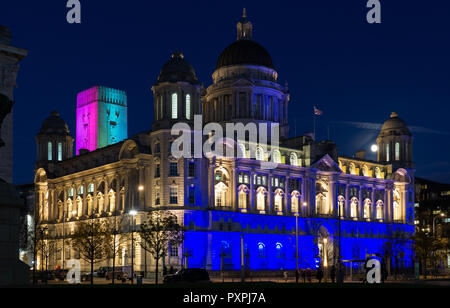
x=177, y=69
x=395, y=126
x=54, y=125
x=245, y=51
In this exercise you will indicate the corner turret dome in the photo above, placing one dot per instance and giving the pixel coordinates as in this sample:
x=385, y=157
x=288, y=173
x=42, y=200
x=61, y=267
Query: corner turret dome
x=395, y=126
x=177, y=69
x=54, y=125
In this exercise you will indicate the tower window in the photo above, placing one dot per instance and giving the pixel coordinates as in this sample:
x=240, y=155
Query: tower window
x=188, y=107
x=397, y=151
x=387, y=153
x=49, y=151
x=60, y=158
x=174, y=106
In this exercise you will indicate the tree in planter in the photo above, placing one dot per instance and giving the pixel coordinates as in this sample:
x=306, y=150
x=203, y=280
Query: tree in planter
x=46, y=248
x=90, y=242
x=158, y=231
x=119, y=239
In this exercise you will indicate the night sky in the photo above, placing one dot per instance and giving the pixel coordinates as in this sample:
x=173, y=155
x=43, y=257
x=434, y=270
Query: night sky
x=357, y=73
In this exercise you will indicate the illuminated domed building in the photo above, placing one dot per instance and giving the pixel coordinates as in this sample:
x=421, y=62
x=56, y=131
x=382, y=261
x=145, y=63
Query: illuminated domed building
x=313, y=196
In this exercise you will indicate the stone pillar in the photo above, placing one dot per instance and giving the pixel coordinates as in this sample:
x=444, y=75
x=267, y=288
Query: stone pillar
x=286, y=201
x=251, y=194
x=269, y=207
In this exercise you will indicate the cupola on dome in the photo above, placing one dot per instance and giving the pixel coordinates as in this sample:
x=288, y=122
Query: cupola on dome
x=177, y=69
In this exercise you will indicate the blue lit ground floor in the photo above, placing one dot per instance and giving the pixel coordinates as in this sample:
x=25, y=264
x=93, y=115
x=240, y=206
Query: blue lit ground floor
x=221, y=240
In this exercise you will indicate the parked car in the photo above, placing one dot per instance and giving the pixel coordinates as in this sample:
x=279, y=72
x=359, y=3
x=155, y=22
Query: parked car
x=101, y=272
x=118, y=275
x=61, y=275
x=190, y=275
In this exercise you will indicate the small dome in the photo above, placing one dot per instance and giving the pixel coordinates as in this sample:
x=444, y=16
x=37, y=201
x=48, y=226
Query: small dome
x=5, y=35
x=245, y=51
x=54, y=125
x=177, y=69
x=395, y=126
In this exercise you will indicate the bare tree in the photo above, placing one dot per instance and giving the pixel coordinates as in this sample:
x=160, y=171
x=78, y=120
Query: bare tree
x=90, y=242
x=157, y=233
x=119, y=239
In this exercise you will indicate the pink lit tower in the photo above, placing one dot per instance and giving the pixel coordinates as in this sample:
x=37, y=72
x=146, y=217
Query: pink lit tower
x=101, y=118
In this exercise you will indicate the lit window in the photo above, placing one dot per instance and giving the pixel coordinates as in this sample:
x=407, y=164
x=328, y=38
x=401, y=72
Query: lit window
x=188, y=107
x=277, y=157
x=278, y=202
x=354, y=208
x=397, y=214
x=380, y=210
x=242, y=200
x=260, y=201
x=397, y=151
x=294, y=202
x=220, y=190
x=259, y=154
x=294, y=159
x=387, y=152
x=261, y=250
x=367, y=205
x=173, y=193
x=279, y=248
x=174, y=250
x=50, y=151
x=174, y=106
x=60, y=158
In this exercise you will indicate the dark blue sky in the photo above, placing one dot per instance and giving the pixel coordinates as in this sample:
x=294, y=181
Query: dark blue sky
x=329, y=54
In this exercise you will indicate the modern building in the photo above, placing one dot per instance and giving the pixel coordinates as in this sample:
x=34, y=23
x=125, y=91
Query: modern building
x=293, y=213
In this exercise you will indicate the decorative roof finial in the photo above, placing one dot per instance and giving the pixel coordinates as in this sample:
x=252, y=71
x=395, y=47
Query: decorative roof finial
x=244, y=27
x=244, y=13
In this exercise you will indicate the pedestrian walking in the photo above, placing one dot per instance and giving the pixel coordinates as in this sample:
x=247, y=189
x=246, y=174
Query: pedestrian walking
x=297, y=276
x=319, y=274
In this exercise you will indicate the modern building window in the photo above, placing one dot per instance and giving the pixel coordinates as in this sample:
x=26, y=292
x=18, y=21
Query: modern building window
x=174, y=106
x=60, y=150
x=397, y=151
x=173, y=194
x=188, y=106
x=50, y=151
x=173, y=170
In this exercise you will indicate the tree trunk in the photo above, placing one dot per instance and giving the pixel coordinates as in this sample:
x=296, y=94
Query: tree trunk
x=114, y=259
x=156, y=271
x=92, y=271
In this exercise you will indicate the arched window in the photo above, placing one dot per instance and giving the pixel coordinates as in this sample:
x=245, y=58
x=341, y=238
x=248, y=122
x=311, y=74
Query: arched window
x=259, y=154
x=174, y=106
x=277, y=157
x=112, y=201
x=354, y=208
x=262, y=250
x=60, y=151
x=294, y=202
x=49, y=151
x=294, y=159
x=188, y=106
x=378, y=172
x=397, y=215
x=367, y=206
x=388, y=156
x=243, y=196
x=365, y=171
x=352, y=169
x=380, y=210
x=341, y=204
x=242, y=153
x=100, y=202
x=79, y=209
x=220, y=194
x=261, y=200
x=278, y=201
x=279, y=250
x=397, y=151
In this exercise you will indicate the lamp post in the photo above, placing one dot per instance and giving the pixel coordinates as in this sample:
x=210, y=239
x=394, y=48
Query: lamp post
x=242, y=259
x=296, y=240
x=133, y=213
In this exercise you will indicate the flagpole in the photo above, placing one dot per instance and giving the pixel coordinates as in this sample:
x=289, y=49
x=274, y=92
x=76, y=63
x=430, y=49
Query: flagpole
x=314, y=119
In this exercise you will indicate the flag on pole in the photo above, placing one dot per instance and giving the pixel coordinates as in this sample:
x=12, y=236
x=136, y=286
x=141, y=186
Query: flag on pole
x=317, y=111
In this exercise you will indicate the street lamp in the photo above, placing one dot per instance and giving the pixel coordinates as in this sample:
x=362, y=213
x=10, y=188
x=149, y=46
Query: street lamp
x=434, y=221
x=132, y=213
x=296, y=240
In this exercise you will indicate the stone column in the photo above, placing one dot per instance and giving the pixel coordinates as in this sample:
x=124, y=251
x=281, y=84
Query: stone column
x=286, y=203
x=269, y=207
x=251, y=193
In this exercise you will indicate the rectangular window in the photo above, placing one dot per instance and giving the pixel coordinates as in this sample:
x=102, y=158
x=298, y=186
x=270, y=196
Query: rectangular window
x=49, y=151
x=173, y=193
x=174, y=251
x=157, y=197
x=192, y=170
x=192, y=194
x=240, y=178
x=173, y=170
x=387, y=153
x=397, y=151
x=157, y=171
x=174, y=106
x=60, y=158
x=188, y=107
